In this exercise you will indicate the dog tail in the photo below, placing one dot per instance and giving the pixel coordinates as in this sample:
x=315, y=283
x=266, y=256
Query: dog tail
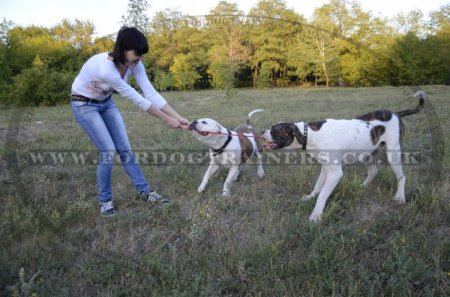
x=249, y=116
x=422, y=96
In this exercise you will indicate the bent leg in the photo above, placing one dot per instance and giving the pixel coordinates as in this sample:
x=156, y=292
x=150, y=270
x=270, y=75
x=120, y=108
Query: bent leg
x=319, y=184
x=117, y=129
x=333, y=175
x=371, y=172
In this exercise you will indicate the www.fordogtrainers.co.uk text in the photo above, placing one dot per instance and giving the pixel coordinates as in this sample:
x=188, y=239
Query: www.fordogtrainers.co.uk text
x=147, y=157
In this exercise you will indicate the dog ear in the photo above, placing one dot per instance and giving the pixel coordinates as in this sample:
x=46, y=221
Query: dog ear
x=296, y=133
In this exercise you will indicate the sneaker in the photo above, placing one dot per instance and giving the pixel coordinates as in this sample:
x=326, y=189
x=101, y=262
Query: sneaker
x=155, y=197
x=107, y=209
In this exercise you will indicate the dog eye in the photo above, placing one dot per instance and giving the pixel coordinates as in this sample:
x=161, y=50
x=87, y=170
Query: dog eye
x=204, y=122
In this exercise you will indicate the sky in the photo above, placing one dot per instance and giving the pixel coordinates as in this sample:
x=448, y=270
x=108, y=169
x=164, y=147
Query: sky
x=106, y=15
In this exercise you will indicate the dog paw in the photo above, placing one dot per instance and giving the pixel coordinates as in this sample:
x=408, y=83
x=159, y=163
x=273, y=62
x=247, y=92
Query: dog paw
x=225, y=194
x=261, y=174
x=201, y=189
x=307, y=197
x=400, y=200
x=315, y=218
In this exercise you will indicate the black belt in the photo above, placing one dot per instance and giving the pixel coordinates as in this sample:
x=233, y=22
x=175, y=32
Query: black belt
x=86, y=99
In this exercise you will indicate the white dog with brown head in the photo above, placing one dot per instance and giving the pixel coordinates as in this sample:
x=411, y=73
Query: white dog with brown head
x=227, y=148
x=331, y=141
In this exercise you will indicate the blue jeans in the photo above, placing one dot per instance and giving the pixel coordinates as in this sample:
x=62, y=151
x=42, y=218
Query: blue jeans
x=104, y=125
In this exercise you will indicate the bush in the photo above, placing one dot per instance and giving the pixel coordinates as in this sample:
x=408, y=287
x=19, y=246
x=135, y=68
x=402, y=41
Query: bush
x=264, y=78
x=222, y=75
x=38, y=86
x=164, y=81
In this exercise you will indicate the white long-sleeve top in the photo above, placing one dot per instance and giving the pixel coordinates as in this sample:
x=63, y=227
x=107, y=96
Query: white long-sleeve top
x=99, y=77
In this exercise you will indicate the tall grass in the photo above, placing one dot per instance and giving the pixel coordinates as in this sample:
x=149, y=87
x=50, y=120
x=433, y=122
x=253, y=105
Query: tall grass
x=258, y=242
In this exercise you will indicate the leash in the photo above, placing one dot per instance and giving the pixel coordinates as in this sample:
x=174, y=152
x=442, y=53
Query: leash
x=236, y=134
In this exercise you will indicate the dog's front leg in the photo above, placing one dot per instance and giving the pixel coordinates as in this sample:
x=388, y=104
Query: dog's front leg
x=232, y=176
x=318, y=187
x=213, y=167
x=260, y=166
x=333, y=175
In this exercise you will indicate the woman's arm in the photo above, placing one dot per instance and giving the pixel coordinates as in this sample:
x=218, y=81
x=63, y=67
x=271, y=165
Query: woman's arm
x=167, y=109
x=169, y=120
x=158, y=102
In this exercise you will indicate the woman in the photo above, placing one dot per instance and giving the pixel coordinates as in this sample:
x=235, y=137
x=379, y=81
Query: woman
x=94, y=109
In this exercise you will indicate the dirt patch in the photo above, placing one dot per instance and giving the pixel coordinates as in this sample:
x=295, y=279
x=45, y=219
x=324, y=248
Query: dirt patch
x=369, y=210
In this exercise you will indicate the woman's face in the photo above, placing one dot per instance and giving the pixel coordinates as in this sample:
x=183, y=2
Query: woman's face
x=131, y=58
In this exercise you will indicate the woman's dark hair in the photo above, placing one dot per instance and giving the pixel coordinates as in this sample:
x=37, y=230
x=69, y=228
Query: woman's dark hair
x=129, y=38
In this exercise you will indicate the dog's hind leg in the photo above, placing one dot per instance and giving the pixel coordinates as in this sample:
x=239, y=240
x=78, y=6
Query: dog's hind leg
x=232, y=176
x=394, y=157
x=371, y=172
x=318, y=187
x=372, y=165
x=333, y=175
x=213, y=167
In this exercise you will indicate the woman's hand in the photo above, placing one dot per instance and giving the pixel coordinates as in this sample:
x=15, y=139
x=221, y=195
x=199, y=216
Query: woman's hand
x=184, y=123
x=170, y=117
x=173, y=122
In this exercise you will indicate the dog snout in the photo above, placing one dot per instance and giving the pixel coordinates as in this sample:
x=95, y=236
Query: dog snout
x=193, y=125
x=265, y=133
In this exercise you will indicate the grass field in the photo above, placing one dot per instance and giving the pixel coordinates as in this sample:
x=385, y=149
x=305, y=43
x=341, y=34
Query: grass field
x=258, y=242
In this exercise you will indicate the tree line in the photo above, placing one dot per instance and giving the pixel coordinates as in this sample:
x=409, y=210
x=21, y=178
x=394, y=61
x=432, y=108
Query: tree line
x=271, y=46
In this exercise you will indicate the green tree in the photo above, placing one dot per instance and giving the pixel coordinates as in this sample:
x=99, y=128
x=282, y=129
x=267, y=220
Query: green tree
x=78, y=34
x=5, y=69
x=265, y=77
x=227, y=49
x=440, y=28
x=184, y=72
x=137, y=15
x=102, y=44
x=224, y=28
x=173, y=35
x=273, y=29
x=39, y=85
x=301, y=58
x=410, y=22
x=41, y=64
x=164, y=80
x=5, y=26
x=222, y=73
x=417, y=61
x=362, y=59
x=349, y=44
x=440, y=21
x=332, y=24
x=27, y=43
x=163, y=44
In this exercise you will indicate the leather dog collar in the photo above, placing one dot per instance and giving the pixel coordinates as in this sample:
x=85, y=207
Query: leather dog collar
x=305, y=136
x=220, y=150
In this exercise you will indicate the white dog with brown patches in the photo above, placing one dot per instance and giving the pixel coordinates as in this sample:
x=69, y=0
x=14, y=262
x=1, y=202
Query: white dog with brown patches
x=227, y=148
x=330, y=142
